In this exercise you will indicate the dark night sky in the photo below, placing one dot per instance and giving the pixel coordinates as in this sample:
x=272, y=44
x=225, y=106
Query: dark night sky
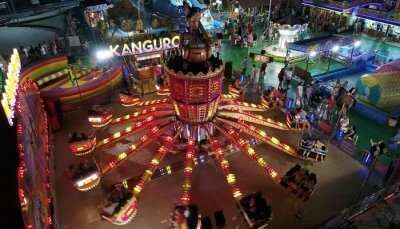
x=9, y=208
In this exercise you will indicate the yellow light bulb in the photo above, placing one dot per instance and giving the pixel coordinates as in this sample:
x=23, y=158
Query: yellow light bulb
x=275, y=141
x=230, y=178
x=251, y=151
x=122, y=156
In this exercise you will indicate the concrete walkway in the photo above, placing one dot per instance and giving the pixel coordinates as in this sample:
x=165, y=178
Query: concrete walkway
x=339, y=179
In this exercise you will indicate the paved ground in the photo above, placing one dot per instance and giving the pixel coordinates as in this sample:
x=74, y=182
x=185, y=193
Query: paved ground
x=339, y=179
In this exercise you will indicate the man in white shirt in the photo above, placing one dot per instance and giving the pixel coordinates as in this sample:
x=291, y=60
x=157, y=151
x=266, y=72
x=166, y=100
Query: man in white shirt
x=26, y=52
x=288, y=77
x=255, y=75
x=43, y=49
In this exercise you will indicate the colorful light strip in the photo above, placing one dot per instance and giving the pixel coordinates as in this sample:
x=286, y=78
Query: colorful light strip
x=261, y=135
x=256, y=119
x=189, y=164
x=244, y=147
x=224, y=164
x=147, y=138
x=9, y=94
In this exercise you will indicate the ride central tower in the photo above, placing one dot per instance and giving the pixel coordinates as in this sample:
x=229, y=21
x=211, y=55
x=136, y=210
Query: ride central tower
x=195, y=75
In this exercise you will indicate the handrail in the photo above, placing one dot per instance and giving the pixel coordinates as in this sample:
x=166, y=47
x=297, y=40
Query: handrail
x=369, y=202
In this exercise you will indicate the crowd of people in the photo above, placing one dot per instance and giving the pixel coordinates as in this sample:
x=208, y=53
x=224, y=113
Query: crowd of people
x=318, y=103
x=241, y=31
x=34, y=53
x=324, y=20
x=306, y=102
x=274, y=97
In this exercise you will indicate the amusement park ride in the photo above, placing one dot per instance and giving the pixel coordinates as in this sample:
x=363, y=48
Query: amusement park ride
x=195, y=110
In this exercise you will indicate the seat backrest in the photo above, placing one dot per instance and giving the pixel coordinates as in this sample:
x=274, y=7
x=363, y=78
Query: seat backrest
x=206, y=223
x=219, y=218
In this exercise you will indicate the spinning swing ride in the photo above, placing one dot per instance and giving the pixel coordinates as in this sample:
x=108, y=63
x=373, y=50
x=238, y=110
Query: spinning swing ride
x=195, y=110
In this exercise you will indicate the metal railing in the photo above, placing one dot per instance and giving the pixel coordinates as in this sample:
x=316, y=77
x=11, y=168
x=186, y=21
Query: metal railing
x=348, y=215
x=34, y=10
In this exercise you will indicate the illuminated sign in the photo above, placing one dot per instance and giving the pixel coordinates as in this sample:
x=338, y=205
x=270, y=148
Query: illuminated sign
x=145, y=46
x=11, y=86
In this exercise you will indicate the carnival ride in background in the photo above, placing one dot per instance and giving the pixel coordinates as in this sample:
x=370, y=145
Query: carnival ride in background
x=195, y=111
x=337, y=47
x=71, y=85
x=175, y=10
x=172, y=8
x=381, y=88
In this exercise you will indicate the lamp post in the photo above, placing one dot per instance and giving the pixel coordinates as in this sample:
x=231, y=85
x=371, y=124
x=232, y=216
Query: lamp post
x=312, y=54
x=269, y=15
x=103, y=55
x=74, y=82
x=335, y=49
x=356, y=44
x=287, y=57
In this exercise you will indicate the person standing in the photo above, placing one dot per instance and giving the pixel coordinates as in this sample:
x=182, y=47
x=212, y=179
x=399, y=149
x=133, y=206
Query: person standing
x=281, y=77
x=255, y=75
x=54, y=48
x=288, y=77
x=263, y=70
x=331, y=106
x=31, y=54
x=336, y=89
x=250, y=40
x=26, y=52
x=308, y=91
x=43, y=50
x=299, y=95
x=37, y=52
x=244, y=65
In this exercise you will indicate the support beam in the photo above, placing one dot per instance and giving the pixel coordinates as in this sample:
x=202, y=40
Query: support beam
x=146, y=139
x=245, y=148
x=224, y=165
x=148, y=123
x=252, y=118
x=141, y=115
x=261, y=135
x=189, y=165
x=234, y=105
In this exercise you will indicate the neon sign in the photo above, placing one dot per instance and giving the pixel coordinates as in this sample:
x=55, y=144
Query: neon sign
x=145, y=46
x=11, y=86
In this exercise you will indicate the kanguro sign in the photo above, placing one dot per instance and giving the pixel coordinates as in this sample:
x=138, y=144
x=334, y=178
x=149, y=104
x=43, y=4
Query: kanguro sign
x=145, y=46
